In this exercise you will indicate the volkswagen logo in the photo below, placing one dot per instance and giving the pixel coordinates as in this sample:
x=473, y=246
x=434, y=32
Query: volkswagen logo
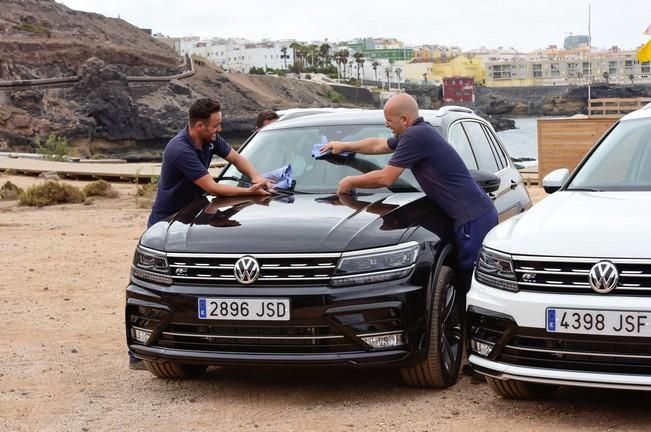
x=247, y=270
x=604, y=277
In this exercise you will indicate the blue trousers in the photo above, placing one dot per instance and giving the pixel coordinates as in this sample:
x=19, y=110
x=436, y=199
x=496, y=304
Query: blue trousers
x=469, y=237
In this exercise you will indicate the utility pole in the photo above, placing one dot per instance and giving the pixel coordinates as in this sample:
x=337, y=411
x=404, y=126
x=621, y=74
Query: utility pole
x=589, y=59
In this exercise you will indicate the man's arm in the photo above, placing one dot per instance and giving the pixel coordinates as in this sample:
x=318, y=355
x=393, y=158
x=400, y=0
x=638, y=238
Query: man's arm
x=374, y=179
x=209, y=185
x=373, y=145
x=245, y=166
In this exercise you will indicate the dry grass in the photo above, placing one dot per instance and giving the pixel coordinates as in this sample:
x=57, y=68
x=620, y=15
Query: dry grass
x=50, y=193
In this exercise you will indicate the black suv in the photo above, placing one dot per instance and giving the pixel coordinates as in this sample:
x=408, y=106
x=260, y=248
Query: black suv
x=305, y=277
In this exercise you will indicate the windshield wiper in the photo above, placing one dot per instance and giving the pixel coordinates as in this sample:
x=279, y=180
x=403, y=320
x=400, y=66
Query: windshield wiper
x=584, y=190
x=237, y=179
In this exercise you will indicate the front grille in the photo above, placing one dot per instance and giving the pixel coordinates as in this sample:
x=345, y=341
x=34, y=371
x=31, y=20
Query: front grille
x=267, y=339
x=275, y=269
x=570, y=276
x=537, y=348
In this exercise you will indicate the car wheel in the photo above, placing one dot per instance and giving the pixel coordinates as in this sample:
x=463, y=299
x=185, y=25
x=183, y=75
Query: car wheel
x=440, y=368
x=512, y=389
x=165, y=369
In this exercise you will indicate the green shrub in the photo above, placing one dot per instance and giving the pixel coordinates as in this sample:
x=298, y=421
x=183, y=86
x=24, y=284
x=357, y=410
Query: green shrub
x=100, y=188
x=10, y=191
x=98, y=156
x=335, y=96
x=31, y=28
x=50, y=193
x=55, y=148
x=149, y=189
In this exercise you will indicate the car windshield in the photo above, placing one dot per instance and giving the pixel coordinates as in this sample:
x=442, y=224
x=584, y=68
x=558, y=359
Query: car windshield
x=271, y=149
x=622, y=162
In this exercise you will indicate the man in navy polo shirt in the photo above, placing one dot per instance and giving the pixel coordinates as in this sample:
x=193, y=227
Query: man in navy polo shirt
x=184, y=174
x=439, y=170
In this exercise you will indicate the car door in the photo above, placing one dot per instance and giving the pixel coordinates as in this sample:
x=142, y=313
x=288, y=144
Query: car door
x=490, y=157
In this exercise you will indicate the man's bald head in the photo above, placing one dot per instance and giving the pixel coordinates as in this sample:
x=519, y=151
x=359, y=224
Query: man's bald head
x=402, y=105
x=400, y=112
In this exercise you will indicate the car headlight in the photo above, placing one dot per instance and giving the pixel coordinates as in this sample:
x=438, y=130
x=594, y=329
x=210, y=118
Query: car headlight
x=375, y=265
x=495, y=269
x=151, y=265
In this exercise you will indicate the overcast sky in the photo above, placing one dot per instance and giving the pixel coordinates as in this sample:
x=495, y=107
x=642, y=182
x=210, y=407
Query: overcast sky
x=523, y=24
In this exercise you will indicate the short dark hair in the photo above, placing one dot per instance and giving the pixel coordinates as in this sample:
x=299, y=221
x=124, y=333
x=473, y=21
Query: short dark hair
x=265, y=115
x=202, y=109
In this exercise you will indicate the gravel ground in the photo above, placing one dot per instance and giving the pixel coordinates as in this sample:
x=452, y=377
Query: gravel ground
x=64, y=365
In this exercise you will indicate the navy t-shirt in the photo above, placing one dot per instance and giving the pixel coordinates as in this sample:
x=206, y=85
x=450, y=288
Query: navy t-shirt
x=440, y=171
x=182, y=165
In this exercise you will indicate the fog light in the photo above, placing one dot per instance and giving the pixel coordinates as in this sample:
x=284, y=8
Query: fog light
x=141, y=335
x=385, y=340
x=481, y=348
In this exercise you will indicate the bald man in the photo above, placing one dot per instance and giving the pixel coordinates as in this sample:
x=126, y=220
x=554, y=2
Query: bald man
x=437, y=167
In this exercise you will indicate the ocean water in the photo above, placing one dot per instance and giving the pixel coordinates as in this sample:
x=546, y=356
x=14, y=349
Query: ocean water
x=521, y=142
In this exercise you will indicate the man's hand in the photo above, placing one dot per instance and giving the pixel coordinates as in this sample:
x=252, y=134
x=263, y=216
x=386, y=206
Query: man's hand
x=337, y=147
x=258, y=189
x=268, y=183
x=345, y=186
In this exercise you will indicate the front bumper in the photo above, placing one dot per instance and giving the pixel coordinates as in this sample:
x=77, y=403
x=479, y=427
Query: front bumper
x=508, y=340
x=326, y=327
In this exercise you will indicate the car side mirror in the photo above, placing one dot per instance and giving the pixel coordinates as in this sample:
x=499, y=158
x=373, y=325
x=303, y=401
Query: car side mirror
x=488, y=181
x=555, y=179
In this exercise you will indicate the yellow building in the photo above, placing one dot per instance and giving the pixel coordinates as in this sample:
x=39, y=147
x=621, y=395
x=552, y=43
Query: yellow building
x=458, y=66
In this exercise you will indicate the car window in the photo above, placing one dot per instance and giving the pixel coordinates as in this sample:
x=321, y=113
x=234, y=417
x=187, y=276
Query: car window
x=502, y=162
x=458, y=139
x=481, y=146
x=621, y=162
x=274, y=148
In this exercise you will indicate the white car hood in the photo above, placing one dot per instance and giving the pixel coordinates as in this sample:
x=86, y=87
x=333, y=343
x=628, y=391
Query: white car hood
x=580, y=224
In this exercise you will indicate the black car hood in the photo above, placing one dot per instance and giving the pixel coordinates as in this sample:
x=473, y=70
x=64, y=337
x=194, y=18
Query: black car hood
x=290, y=223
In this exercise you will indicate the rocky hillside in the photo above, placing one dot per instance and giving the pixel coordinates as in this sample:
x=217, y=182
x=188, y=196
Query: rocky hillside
x=104, y=112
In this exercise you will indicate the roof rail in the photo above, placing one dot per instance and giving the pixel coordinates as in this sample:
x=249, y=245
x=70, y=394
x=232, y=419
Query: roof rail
x=454, y=108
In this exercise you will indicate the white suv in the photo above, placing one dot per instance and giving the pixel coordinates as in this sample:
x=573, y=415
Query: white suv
x=562, y=293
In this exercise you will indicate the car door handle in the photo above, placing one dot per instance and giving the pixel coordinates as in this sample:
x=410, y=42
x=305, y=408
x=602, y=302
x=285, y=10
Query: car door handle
x=514, y=184
x=492, y=196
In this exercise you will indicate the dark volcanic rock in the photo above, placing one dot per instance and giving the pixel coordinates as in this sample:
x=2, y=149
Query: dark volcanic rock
x=29, y=100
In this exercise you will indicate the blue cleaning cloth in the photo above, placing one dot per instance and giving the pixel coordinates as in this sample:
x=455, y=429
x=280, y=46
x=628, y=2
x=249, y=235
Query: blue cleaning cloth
x=316, y=153
x=281, y=176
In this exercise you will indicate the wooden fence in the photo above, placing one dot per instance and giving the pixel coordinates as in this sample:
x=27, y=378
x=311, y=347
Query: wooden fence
x=562, y=142
x=615, y=106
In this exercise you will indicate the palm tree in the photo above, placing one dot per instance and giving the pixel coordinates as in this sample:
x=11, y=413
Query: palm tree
x=387, y=71
x=632, y=78
x=324, y=54
x=296, y=48
x=425, y=78
x=606, y=75
x=375, y=64
x=398, y=73
x=359, y=60
x=284, y=56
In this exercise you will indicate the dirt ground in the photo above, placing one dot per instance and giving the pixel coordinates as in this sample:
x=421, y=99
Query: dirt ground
x=63, y=362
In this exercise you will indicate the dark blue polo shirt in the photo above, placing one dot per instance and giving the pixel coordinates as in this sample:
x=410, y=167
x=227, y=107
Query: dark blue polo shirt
x=440, y=171
x=182, y=165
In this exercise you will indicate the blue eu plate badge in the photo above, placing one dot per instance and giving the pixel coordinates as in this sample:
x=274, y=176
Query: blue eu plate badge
x=551, y=320
x=202, y=308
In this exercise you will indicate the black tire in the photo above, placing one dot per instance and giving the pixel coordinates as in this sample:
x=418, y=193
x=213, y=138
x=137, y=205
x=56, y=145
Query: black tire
x=171, y=370
x=512, y=389
x=440, y=369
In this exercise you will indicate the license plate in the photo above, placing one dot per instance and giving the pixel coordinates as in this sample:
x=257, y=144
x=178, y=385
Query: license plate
x=245, y=309
x=598, y=322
